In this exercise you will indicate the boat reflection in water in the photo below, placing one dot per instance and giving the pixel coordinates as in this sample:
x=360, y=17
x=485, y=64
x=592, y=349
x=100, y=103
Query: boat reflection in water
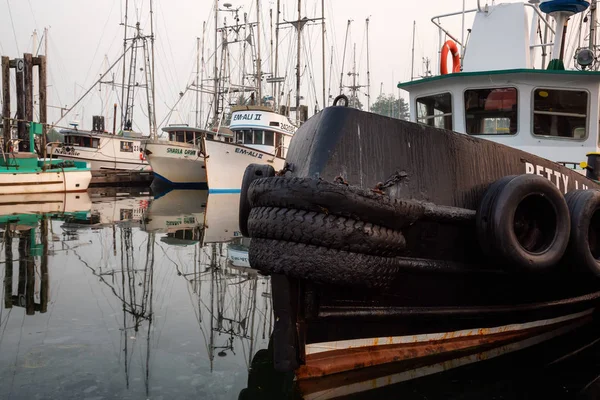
x=139, y=291
x=237, y=310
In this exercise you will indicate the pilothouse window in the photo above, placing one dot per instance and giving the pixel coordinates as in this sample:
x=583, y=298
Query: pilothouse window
x=435, y=110
x=491, y=111
x=560, y=113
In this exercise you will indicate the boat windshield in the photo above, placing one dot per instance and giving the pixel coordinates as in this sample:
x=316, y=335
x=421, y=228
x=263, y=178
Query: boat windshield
x=435, y=110
x=491, y=111
x=82, y=141
x=560, y=113
x=184, y=137
x=255, y=136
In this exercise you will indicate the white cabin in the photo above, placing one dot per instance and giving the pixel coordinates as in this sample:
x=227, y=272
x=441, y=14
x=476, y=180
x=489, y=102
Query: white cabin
x=506, y=94
x=262, y=129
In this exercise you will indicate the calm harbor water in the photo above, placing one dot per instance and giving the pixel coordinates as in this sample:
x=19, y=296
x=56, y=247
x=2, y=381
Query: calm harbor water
x=112, y=295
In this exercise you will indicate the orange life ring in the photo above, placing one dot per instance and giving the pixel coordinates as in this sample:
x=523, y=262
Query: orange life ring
x=449, y=46
x=142, y=156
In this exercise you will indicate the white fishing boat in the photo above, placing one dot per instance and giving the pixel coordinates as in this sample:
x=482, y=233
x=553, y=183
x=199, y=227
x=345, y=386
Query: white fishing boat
x=261, y=136
x=179, y=160
x=101, y=149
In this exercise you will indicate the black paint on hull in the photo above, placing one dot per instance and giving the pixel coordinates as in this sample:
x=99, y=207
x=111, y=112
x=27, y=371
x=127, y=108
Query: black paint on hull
x=432, y=165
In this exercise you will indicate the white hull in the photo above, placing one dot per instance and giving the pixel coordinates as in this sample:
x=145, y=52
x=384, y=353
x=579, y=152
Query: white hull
x=226, y=163
x=222, y=220
x=44, y=182
x=108, y=156
x=176, y=210
x=100, y=164
x=176, y=164
x=42, y=203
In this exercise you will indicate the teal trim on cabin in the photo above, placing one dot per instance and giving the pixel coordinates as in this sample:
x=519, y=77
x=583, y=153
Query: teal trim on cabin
x=27, y=163
x=571, y=73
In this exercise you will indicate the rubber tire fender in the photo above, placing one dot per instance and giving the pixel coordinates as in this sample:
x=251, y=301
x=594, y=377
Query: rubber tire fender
x=325, y=230
x=495, y=223
x=252, y=173
x=583, y=205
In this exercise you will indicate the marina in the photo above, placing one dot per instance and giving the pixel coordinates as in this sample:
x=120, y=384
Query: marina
x=276, y=200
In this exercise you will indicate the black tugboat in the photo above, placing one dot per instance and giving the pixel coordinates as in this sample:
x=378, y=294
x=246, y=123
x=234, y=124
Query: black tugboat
x=467, y=233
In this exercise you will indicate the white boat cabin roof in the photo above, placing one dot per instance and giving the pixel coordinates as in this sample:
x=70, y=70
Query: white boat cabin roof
x=122, y=135
x=260, y=118
x=505, y=92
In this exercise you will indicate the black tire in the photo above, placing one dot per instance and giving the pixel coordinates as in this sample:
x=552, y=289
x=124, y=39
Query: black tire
x=252, y=173
x=324, y=230
x=524, y=223
x=483, y=216
x=334, y=198
x=583, y=252
x=322, y=265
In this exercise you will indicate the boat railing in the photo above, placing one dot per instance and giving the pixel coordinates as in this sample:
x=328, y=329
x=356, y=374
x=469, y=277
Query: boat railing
x=6, y=154
x=52, y=145
x=437, y=21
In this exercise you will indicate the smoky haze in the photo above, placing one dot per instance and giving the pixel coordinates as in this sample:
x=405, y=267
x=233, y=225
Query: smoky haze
x=83, y=32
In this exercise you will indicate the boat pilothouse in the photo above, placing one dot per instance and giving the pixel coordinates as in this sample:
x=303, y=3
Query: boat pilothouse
x=508, y=91
x=260, y=136
x=460, y=235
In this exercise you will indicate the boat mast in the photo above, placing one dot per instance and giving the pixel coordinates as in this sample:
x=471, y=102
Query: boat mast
x=202, y=75
x=271, y=52
x=276, y=84
x=151, y=108
x=323, y=48
x=124, y=64
x=258, y=61
x=369, y=71
x=354, y=87
x=197, y=76
x=215, y=70
x=299, y=32
x=344, y=56
x=592, y=44
x=412, y=62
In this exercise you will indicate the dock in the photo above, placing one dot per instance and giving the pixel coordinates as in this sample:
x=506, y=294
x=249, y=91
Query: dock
x=121, y=178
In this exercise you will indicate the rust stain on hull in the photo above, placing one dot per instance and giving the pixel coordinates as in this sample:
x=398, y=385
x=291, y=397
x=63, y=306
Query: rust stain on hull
x=332, y=362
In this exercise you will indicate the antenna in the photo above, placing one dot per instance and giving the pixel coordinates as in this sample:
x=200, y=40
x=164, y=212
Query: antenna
x=368, y=71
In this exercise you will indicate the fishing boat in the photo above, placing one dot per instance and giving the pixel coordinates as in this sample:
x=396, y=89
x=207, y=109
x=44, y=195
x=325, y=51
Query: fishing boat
x=261, y=136
x=25, y=173
x=179, y=160
x=104, y=151
x=464, y=234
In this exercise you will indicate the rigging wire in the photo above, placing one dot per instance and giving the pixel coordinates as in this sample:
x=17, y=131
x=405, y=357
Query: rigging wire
x=12, y=23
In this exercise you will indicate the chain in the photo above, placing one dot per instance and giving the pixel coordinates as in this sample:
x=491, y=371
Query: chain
x=391, y=181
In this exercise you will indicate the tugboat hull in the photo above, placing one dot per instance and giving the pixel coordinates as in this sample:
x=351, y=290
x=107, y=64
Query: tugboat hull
x=345, y=298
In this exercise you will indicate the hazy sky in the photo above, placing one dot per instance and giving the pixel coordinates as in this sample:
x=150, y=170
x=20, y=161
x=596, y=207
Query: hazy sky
x=82, y=32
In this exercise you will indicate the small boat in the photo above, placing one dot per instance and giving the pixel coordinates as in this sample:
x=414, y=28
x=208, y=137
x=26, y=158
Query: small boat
x=261, y=136
x=179, y=160
x=25, y=173
x=102, y=150
x=464, y=234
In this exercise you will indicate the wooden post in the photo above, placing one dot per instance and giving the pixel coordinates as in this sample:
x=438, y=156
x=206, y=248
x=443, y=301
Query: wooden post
x=8, y=259
x=30, y=290
x=23, y=249
x=28, y=83
x=6, y=101
x=44, y=289
x=21, y=126
x=43, y=99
